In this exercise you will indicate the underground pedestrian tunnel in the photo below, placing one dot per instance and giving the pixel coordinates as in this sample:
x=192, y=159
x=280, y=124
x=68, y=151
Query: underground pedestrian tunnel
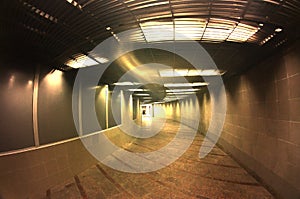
x=150, y=99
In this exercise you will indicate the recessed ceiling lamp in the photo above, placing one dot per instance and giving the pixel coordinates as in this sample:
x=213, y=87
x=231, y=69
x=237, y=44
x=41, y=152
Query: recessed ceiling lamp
x=189, y=28
x=182, y=90
x=272, y=2
x=141, y=94
x=40, y=12
x=181, y=93
x=108, y=28
x=147, y=4
x=150, y=30
x=126, y=83
x=137, y=90
x=186, y=84
x=181, y=29
x=278, y=29
x=206, y=72
x=81, y=61
x=74, y=3
x=267, y=39
x=242, y=33
x=190, y=72
x=147, y=98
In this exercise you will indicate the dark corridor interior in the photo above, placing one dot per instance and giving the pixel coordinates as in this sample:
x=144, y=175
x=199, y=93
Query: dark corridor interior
x=92, y=89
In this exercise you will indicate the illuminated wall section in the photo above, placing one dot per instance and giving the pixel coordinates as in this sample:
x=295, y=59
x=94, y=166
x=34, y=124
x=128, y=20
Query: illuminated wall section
x=16, y=107
x=126, y=108
x=205, y=112
x=186, y=111
x=101, y=99
x=159, y=110
x=262, y=123
x=190, y=111
x=55, y=120
x=114, y=103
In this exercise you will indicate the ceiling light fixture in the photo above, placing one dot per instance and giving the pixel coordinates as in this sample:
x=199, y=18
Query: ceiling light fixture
x=141, y=94
x=180, y=29
x=182, y=90
x=40, y=12
x=181, y=93
x=186, y=84
x=81, y=61
x=206, y=72
x=136, y=90
x=148, y=4
x=126, y=83
x=74, y=3
x=267, y=39
x=147, y=98
x=150, y=30
x=190, y=72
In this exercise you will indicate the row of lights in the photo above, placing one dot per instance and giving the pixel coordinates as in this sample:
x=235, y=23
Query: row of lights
x=277, y=30
x=280, y=43
x=108, y=28
x=47, y=15
x=75, y=4
x=174, y=89
x=34, y=29
x=41, y=13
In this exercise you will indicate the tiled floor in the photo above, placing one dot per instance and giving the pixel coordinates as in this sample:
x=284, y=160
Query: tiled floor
x=215, y=176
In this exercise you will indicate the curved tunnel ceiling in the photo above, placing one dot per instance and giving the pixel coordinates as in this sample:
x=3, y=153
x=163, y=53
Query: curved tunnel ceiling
x=233, y=32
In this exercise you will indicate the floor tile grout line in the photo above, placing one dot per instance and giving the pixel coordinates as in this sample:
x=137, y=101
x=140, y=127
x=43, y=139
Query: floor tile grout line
x=169, y=185
x=229, y=166
x=48, y=194
x=213, y=178
x=80, y=187
x=113, y=181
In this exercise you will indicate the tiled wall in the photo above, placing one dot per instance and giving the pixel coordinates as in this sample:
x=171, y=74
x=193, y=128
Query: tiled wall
x=262, y=127
x=30, y=174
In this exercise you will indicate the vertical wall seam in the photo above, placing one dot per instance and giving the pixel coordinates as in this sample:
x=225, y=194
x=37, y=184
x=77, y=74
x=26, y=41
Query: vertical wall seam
x=106, y=105
x=35, y=107
x=80, y=133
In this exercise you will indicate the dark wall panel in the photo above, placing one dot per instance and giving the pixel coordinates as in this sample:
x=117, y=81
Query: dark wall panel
x=16, y=87
x=135, y=108
x=55, y=106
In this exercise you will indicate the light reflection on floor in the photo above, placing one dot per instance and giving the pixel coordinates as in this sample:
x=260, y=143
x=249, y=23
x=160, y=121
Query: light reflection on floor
x=215, y=176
